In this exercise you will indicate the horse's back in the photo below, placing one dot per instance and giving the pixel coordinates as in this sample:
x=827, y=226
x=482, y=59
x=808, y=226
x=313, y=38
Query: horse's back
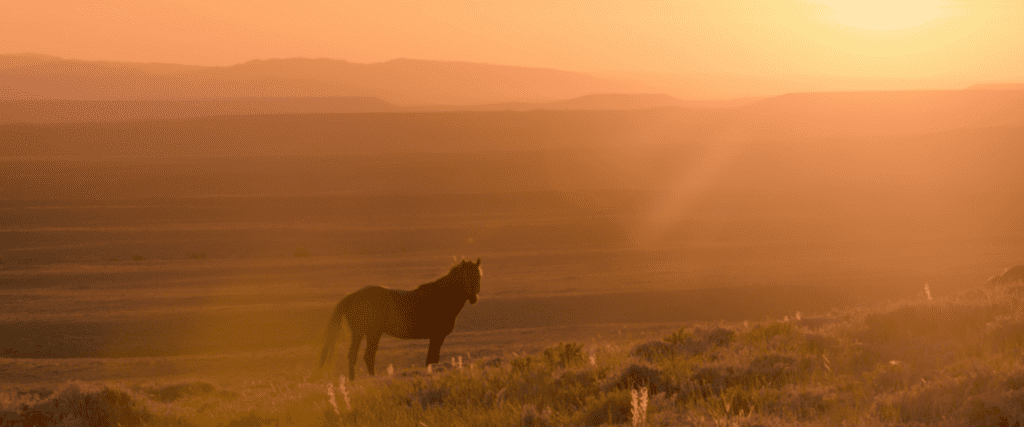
x=1014, y=274
x=1010, y=275
x=365, y=308
x=367, y=292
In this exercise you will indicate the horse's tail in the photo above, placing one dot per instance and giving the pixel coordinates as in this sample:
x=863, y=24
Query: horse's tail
x=334, y=328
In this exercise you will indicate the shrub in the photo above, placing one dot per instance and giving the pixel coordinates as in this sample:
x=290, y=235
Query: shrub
x=951, y=319
x=775, y=369
x=888, y=376
x=521, y=363
x=564, y=355
x=995, y=409
x=809, y=404
x=637, y=376
x=532, y=418
x=653, y=351
x=767, y=334
x=818, y=343
x=614, y=407
x=712, y=380
x=75, y=404
x=568, y=391
x=697, y=341
x=178, y=391
x=428, y=393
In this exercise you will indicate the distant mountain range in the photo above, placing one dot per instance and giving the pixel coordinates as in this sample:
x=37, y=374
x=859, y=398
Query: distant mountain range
x=998, y=86
x=403, y=82
x=258, y=127
x=62, y=110
x=47, y=89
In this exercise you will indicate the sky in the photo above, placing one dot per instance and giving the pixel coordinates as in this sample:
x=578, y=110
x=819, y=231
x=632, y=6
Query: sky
x=979, y=40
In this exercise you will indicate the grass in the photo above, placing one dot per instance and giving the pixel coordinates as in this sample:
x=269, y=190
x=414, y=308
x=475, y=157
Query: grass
x=948, y=361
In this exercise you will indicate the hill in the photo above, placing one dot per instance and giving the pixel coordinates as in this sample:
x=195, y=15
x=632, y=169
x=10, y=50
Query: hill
x=606, y=101
x=64, y=110
x=288, y=127
x=77, y=111
x=883, y=112
x=401, y=81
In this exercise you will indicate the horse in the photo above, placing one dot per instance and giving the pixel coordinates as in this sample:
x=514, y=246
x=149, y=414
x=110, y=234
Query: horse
x=1010, y=275
x=428, y=312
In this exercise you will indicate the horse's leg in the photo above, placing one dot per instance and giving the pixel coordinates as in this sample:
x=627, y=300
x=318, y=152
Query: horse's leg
x=370, y=356
x=434, y=352
x=353, y=352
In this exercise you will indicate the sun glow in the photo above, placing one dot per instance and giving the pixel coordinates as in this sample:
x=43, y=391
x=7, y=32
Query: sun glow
x=884, y=14
x=880, y=28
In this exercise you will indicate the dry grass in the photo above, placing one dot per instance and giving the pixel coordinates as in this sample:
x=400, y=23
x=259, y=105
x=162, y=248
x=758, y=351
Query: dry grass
x=951, y=361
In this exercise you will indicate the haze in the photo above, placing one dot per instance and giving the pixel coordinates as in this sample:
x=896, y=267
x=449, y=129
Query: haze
x=839, y=44
x=188, y=188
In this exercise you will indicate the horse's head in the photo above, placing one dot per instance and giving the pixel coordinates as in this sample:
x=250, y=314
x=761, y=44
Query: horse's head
x=467, y=275
x=999, y=278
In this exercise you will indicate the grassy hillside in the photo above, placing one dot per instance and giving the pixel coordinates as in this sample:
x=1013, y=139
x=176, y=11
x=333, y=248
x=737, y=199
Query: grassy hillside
x=948, y=361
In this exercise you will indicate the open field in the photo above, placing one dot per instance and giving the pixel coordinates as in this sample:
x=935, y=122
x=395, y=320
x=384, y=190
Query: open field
x=752, y=213
x=167, y=257
x=952, y=360
x=176, y=277
x=182, y=272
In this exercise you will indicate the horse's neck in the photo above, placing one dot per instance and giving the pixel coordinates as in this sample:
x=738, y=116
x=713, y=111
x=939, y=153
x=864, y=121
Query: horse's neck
x=444, y=285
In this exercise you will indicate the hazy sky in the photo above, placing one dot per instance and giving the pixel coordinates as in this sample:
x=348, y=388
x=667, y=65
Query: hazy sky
x=981, y=40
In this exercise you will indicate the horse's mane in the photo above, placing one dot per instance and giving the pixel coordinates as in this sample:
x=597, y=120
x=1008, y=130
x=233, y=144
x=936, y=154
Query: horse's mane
x=442, y=282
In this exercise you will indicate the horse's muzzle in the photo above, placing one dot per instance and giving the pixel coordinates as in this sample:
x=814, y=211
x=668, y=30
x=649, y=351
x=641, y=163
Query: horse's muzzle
x=472, y=299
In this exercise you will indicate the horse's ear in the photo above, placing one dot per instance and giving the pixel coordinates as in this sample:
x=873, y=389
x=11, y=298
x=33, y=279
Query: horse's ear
x=478, y=261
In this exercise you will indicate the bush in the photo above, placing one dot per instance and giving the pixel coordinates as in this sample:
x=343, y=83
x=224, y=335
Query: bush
x=178, y=391
x=75, y=404
x=653, y=351
x=614, y=407
x=532, y=418
x=698, y=341
x=777, y=369
x=637, y=376
x=564, y=355
x=768, y=334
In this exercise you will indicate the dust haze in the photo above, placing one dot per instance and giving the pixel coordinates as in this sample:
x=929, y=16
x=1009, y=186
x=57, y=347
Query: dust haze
x=125, y=205
x=172, y=213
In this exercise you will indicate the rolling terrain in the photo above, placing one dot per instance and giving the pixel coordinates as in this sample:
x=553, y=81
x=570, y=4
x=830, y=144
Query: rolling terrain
x=400, y=81
x=150, y=252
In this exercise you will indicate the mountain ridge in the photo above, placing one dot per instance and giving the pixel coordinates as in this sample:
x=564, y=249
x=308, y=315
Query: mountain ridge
x=403, y=82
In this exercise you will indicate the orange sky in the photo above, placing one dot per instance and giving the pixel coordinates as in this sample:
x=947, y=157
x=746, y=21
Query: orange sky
x=980, y=40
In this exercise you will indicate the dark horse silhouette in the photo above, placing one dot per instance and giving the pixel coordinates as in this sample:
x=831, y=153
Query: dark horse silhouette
x=1009, y=276
x=428, y=312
